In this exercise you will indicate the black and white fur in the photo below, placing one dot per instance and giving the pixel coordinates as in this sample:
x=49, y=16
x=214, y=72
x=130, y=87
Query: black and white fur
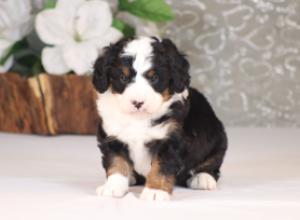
x=192, y=150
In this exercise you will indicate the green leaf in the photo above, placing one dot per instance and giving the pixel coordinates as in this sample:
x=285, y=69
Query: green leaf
x=19, y=45
x=123, y=4
x=154, y=10
x=125, y=28
x=27, y=63
x=49, y=4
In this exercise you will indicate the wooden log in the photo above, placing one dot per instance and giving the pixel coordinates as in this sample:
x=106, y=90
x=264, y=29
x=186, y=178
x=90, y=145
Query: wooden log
x=21, y=106
x=69, y=104
x=47, y=104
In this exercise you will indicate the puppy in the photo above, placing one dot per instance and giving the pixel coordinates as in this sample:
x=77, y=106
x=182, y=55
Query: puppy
x=154, y=128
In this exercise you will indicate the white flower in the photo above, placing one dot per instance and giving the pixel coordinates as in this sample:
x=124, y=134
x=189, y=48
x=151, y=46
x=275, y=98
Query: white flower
x=4, y=46
x=15, y=23
x=78, y=31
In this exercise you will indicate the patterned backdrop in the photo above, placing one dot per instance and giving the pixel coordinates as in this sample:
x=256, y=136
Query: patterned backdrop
x=245, y=56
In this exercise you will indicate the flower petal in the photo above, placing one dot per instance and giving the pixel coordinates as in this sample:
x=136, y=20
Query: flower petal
x=14, y=13
x=69, y=9
x=53, y=27
x=93, y=19
x=20, y=11
x=5, y=19
x=15, y=19
x=53, y=61
x=4, y=45
x=7, y=65
x=16, y=33
x=66, y=5
x=111, y=35
x=80, y=57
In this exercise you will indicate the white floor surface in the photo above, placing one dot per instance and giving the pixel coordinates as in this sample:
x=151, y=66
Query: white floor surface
x=45, y=178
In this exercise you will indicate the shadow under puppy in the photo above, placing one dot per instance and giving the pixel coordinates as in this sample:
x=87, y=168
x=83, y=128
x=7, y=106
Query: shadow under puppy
x=154, y=128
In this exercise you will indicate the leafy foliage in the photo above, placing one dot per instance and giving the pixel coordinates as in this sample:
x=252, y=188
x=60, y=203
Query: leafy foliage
x=154, y=10
x=19, y=45
x=125, y=28
x=27, y=58
x=49, y=4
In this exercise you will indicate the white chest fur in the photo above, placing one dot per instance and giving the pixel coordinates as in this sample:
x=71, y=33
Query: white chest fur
x=135, y=132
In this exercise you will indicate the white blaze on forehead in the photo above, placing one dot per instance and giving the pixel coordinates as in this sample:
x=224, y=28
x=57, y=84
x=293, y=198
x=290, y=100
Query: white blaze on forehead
x=141, y=50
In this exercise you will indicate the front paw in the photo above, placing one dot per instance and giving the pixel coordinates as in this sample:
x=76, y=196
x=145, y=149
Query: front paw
x=115, y=186
x=203, y=181
x=154, y=195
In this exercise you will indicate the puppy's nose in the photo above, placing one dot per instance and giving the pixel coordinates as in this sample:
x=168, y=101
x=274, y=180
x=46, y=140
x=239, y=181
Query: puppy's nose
x=137, y=104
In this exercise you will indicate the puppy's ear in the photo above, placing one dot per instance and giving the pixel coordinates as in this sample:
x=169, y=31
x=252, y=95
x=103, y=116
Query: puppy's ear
x=105, y=64
x=179, y=66
x=100, y=77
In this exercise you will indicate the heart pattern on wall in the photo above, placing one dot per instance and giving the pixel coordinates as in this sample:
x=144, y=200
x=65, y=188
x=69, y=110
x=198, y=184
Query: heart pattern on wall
x=254, y=70
x=262, y=38
x=237, y=18
x=243, y=53
x=211, y=43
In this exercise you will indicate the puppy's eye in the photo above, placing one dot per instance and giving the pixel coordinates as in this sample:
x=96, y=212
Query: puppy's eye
x=154, y=79
x=124, y=79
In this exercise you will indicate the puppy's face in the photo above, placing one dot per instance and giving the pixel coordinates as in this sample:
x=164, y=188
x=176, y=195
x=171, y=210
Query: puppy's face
x=141, y=73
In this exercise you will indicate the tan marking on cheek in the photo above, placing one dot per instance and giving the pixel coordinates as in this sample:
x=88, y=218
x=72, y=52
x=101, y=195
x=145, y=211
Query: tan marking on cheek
x=156, y=180
x=126, y=71
x=166, y=94
x=119, y=165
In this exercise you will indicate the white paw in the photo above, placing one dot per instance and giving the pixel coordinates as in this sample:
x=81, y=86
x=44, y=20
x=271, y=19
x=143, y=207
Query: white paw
x=202, y=181
x=154, y=195
x=115, y=186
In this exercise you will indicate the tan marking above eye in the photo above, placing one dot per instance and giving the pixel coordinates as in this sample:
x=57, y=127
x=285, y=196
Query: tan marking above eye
x=150, y=73
x=126, y=71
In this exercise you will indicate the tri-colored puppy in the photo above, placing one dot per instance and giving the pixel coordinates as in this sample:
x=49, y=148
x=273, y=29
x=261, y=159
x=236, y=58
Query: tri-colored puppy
x=155, y=129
